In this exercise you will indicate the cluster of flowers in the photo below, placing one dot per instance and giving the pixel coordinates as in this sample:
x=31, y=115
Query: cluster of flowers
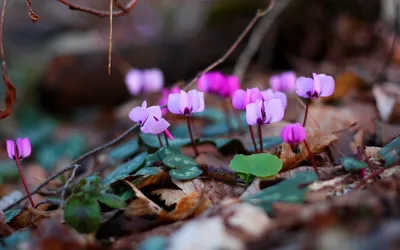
x=147, y=81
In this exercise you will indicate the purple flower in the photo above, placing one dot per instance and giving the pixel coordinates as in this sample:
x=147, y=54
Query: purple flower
x=293, y=133
x=22, y=150
x=229, y=86
x=269, y=94
x=133, y=81
x=210, y=82
x=150, y=119
x=283, y=82
x=321, y=85
x=264, y=112
x=241, y=98
x=186, y=103
x=153, y=80
x=164, y=97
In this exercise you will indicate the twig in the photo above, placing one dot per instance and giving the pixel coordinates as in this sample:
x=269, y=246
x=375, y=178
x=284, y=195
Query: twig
x=135, y=126
x=100, y=13
x=64, y=190
x=32, y=14
x=258, y=34
x=46, y=201
x=110, y=38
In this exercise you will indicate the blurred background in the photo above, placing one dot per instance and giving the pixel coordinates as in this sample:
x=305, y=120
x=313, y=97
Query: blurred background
x=66, y=102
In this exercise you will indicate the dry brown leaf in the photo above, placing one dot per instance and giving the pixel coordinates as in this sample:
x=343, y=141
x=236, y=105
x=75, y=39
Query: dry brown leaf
x=317, y=140
x=30, y=217
x=11, y=94
x=345, y=83
x=386, y=132
x=154, y=179
x=141, y=205
x=169, y=196
x=387, y=99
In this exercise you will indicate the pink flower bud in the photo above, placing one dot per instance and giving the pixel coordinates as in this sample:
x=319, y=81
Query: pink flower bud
x=22, y=150
x=293, y=133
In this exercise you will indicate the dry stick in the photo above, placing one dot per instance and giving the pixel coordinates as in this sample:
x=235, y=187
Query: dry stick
x=64, y=190
x=135, y=126
x=127, y=8
x=121, y=6
x=110, y=38
x=34, y=17
x=258, y=34
x=312, y=158
x=253, y=139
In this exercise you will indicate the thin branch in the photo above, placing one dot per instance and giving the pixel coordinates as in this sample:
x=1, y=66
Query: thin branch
x=110, y=38
x=67, y=183
x=135, y=126
x=120, y=6
x=258, y=34
x=100, y=13
x=34, y=17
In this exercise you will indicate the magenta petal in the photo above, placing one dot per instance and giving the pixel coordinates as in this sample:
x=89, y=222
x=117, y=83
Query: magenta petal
x=274, y=110
x=281, y=96
x=304, y=86
x=134, y=81
x=139, y=115
x=275, y=82
x=174, y=103
x=169, y=135
x=253, y=112
x=10, y=149
x=203, y=83
x=197, y=99
x=288, y=81
x=238, y=99
x=20, y=146
x=155, y=111
x=216, y=80
x=153, y=80
x=27, y=149
x=327, y=85
x=175, y=90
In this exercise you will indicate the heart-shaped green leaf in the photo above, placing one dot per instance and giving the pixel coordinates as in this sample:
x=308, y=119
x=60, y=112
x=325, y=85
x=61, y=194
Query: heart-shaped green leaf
x=147, y=171
x=352, y=164
x=185, y=173
x=125, y=169
x=83, y=215
x=112, y=200
x=260, y=165
x=289, y=191
x=167, y=151
x=179, y=161
x=88, y=188
x=125, y=150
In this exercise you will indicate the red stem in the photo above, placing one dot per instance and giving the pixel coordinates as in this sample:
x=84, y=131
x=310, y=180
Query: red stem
x=252, y=138
x=191, y=136
x=159, y=140
x=260, y=137
x=166, y=138
x=23, y=181
x=305, y=115
x=312, y=158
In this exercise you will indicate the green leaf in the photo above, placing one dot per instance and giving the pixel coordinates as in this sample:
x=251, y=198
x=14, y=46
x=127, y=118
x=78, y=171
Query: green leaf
x=394, y=144
x=147, y=171
x=260, y=165
x=112, y=200
x=83, y=215
x=167, y=151
x=179, y=161
x=125, y=169
x=125, y=150
x=89, y=188
x=390, y=153
x=10, y=214
x=352, y=164
x=286, y=191
x=185, y=173
x=154, y=243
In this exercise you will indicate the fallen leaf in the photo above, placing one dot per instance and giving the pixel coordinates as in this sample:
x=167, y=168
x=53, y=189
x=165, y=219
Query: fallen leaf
x=386, y=132
x=317, y=140
x=141, y=205
x=346, y=83
x=169, y=196
x=387, y=99
x=30, y=217
x=156, y=179
x=11, y=94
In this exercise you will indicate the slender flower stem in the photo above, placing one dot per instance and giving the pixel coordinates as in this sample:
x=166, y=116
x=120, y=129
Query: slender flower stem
x=225, y=107
x=312, y=158
x=159, y=140
x=23, y=181
x=252, y=138
x=166, y=138
x=191, y=136
x=260, y=138
x=305, y=115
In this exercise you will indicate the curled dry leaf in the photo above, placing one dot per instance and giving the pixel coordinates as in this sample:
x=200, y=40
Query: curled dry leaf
x=387, y=98
x=30, y=217
x=11, y=94
x=169, y=196
x=317, y=139
x=141, y=205
x=153, y=179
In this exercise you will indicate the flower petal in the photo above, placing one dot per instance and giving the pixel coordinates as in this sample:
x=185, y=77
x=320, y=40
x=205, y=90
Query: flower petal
x=139, y=115
x=155, y=111
x=252, y=95
x=169, y=135
x=253, y=112
x=27, y=149
x=148, y=125
x=20, y=147
x=10, y=149
x=327, y=85
x=134, y=81
x=197, y=99
x=304, y=87
x=159, y=126
x=238, y=99
x=288, y=81
x=174, y=103
x=275, y=82
x=267, y=94
x=153, y=80
x=274, y=110
x=185, y=102
x=281, y=96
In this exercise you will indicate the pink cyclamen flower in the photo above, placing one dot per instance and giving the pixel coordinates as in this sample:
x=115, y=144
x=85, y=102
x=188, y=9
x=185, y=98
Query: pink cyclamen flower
x=262, y=112
x=293, y=133
x=229, y=86
x=153, y=80
x=186, y=103
x=283, y=82
x=149, y=118
x=269, y=94
x=241, y=98
x=23, y=148
x=134, y=81
x=164, y=97
x=210, y=82
x=320, y=85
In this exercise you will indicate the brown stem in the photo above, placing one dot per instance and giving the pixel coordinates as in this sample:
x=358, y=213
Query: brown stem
x=23, y=179
x=110, y=39
x=159, y=140
x=305, y=115
x=252, y=138
x=191, y=136
x=260, y=137
x=166, y=138
x=312, y=158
